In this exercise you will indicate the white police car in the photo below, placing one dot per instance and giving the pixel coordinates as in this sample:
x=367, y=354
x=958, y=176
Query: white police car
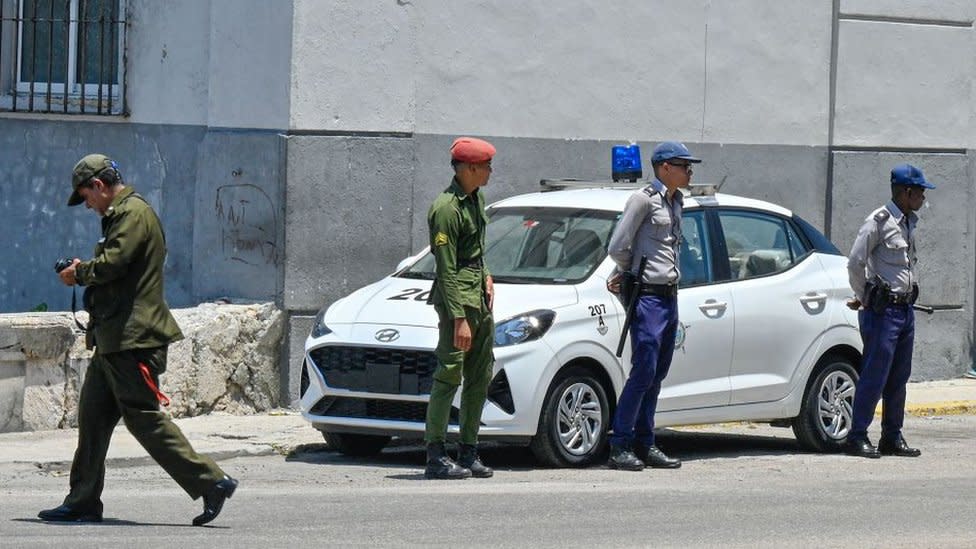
x=765, y=334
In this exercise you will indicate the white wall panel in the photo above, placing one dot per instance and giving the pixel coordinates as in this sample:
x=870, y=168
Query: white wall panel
x=250, y=50
x=168, y=61
x=903, y=85
x=768, y=72
x=561, y=69
x=353, y=66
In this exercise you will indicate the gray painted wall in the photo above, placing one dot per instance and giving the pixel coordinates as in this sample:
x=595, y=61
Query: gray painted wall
x=944, y=341
x=218, y=195
x=37, y=157
x=238, y=228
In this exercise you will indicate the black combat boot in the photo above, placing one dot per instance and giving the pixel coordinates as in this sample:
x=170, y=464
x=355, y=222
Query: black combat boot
x=896, y=446
x=469, y=459
x=653, y=457
x=622, y=457
x=441, y=466
x=861, y=447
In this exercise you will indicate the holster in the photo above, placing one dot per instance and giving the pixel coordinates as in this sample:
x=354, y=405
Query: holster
x=628, y=286
x=876, y=291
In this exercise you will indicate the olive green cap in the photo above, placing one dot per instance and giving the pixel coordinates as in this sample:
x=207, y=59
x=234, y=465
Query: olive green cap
x=85, y=169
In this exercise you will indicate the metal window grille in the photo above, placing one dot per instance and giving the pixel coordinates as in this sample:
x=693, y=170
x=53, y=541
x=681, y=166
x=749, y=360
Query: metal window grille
x=63, y=56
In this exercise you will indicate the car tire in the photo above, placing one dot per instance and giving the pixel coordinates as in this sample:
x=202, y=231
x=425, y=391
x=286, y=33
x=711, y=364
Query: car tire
x=825, y=415
x=574, y=421
x=356, y=445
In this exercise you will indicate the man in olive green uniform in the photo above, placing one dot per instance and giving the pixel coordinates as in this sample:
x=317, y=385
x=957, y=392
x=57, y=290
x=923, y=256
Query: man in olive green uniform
x=130, y=328
x=462, y=296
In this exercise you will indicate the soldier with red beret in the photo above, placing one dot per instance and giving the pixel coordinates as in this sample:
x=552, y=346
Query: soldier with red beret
x=462, y=295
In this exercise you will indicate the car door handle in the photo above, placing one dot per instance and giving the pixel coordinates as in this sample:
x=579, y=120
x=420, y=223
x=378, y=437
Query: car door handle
x=813, y=297
x=713, y=308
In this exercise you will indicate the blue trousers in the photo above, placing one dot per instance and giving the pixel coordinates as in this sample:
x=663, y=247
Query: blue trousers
x=889, y=338
x=652, y=334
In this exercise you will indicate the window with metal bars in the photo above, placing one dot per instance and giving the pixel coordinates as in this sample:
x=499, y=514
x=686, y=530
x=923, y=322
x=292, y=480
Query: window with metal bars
x=63, y=56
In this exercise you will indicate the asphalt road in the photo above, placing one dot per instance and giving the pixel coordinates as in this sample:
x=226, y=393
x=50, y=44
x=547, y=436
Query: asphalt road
x=740, y=486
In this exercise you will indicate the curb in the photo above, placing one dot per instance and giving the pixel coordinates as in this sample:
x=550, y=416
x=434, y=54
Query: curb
x=946, y=408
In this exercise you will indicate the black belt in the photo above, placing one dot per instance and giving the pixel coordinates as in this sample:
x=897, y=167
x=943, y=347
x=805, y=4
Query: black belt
x=474, y=263
x=896, y=298
x=660, y=290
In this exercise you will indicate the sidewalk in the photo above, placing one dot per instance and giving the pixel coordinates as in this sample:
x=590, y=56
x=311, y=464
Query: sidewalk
x=223, y=436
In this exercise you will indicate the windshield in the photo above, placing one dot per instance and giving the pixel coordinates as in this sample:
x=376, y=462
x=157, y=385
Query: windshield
x=539, y=245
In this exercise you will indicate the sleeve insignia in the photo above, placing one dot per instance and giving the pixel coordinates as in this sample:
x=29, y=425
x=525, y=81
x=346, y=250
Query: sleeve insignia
x=440, y=239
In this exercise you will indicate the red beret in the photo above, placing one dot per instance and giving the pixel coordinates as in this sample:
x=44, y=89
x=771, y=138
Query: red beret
x=471, y=150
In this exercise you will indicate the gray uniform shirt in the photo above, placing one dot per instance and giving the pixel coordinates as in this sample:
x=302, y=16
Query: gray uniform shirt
x=651, y=226
x=885, y=246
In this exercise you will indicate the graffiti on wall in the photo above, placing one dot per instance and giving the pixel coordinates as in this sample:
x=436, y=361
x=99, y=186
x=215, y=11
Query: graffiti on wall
x=247, y=220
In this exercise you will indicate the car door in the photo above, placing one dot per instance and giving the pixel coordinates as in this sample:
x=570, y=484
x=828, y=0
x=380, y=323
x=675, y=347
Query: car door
x=699, y=375
x=780, y=292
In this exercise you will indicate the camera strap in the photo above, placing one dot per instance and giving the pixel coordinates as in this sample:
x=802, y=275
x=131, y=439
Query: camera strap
x=74, y=308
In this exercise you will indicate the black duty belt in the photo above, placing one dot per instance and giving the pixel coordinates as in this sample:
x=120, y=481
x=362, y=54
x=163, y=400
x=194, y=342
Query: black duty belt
x=897, y=298
x=660, y=290
x=473, y=263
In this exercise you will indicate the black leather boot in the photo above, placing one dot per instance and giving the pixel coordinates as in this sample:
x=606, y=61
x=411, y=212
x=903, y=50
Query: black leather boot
x=66, y=513
x=469, y=459
x=213, y=500
x=654, y=458
x=861, y=447
x=441, y=466
x=897, y=446
x=622, y=457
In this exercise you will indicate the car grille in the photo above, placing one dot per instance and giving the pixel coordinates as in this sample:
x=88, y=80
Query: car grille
x=374, y=408
x=376, y=370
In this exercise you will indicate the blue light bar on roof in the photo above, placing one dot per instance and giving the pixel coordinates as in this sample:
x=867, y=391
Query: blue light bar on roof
x=626, y=163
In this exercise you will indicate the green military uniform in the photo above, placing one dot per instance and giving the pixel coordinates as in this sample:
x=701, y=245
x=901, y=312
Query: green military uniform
x=130, y=327
x=457, y=239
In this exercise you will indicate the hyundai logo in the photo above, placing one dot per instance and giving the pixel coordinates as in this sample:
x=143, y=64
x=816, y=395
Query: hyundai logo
x=387, y=335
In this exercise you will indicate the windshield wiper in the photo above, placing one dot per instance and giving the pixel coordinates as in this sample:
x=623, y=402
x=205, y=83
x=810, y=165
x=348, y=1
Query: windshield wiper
x=518, y=280
x=419, y=276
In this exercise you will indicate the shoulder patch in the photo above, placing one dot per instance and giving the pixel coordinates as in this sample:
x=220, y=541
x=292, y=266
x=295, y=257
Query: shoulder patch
x=440, y=239
x=882, y=216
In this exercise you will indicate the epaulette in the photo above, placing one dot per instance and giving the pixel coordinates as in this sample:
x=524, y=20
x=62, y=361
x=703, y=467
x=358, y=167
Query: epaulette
x=882, y=215
x=651, y=191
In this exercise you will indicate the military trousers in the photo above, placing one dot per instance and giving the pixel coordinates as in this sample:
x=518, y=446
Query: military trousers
x=471, y=370
x=889, y=339
x=116, y=387
x=652, y=333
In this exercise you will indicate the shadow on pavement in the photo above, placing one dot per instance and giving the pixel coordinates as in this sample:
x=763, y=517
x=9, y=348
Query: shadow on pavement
x=111, y=522
x=688, y=446
x=693, y=446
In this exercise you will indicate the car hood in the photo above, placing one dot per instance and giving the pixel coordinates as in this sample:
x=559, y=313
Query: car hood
x=403, y=301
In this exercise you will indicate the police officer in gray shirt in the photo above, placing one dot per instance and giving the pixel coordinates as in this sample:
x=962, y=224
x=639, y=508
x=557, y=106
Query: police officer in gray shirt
x=650, y=226
x=881, y=268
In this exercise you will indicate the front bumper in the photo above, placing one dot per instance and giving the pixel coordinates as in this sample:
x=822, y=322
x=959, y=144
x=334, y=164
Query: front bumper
x=359, y=387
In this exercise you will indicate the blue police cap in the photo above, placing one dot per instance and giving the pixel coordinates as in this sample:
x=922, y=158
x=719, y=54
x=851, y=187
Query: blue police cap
x=906, y=174
x=672, y=149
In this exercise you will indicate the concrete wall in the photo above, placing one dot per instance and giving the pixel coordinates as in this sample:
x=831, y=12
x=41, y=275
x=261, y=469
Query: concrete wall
x=580, y=70
x=38, y=155
x=216, y=63
x=200, y=145
x=227, y=362
x=293, y=147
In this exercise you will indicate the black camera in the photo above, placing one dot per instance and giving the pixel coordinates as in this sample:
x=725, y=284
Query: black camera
x=62, y=264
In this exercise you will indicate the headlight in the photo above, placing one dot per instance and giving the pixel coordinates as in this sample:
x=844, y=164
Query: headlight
x=525, y=327
x=319, y=328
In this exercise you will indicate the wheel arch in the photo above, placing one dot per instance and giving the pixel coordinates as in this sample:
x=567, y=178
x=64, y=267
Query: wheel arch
x=593, y=367
x=841, y=350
